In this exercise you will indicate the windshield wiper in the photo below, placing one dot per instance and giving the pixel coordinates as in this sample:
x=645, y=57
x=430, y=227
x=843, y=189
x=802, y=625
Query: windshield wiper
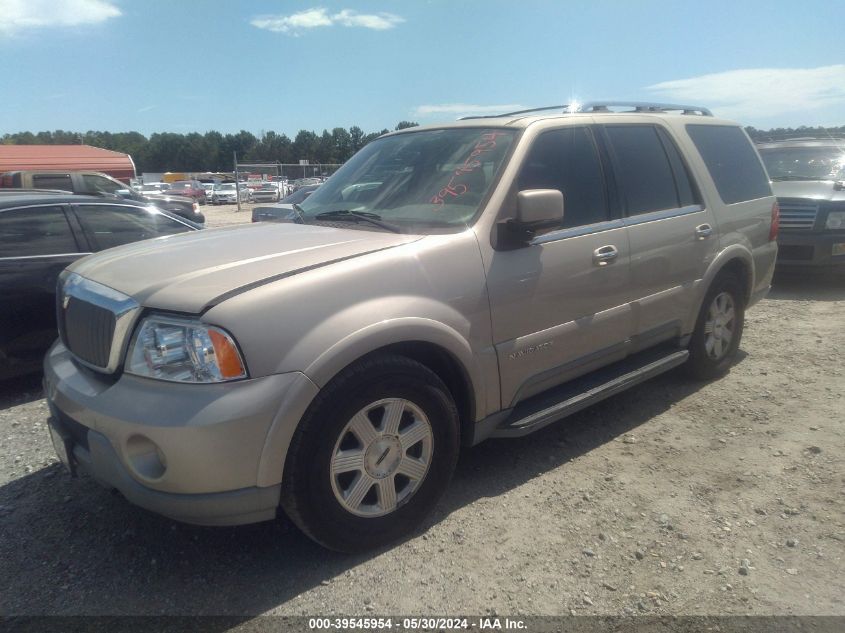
x=299, y=215
x=345, y=215
x=794, y=177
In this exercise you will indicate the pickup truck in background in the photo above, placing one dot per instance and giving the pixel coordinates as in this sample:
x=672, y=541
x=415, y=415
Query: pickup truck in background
x=97, y=184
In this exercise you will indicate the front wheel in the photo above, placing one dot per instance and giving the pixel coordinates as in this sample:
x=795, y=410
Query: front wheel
x=718, y=331
x=372, y=455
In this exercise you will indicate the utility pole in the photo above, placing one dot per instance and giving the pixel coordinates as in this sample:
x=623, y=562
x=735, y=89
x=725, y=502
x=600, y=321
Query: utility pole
x=237, y=182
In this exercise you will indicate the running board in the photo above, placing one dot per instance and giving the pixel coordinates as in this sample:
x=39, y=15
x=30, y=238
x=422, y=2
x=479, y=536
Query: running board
x=560, y=402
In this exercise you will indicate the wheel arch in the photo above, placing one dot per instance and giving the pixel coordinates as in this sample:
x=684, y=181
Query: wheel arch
x=431, y=343
x=735, y=260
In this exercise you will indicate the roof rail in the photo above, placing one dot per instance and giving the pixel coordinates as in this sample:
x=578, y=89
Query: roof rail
x=564, y=107
x=643, y=106
x=605, y=106
x=17, y=191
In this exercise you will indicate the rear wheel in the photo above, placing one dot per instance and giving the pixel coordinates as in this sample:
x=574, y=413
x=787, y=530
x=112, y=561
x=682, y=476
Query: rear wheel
x=718, y=331
x=372, y=455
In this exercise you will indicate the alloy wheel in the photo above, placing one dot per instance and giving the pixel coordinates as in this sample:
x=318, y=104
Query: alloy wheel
x=381, y=457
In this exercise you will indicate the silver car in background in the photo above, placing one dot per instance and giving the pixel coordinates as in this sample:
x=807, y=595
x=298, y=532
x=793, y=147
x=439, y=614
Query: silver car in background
x=228, y=193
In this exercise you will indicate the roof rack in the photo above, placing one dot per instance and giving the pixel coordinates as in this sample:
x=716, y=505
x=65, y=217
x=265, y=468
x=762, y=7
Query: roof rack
x=605, y=106
x=643, y=106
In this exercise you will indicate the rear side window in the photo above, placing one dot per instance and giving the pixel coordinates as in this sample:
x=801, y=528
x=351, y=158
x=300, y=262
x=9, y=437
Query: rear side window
x=732, y=162
x=567, y=160
x=642, y=169
x=52, y=181
x=99, y=184
x=687, y=192
x=35, y=231
x=113, y=225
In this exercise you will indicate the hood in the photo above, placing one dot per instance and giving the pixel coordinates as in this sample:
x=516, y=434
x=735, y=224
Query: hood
x=821, y=190
x=191, y=272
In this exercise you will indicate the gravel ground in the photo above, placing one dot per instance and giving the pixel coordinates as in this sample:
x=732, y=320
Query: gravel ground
x=673, y=498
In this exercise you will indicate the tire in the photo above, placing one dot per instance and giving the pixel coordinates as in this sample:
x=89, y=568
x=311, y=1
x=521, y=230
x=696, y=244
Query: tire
x=712, y=351
x=346, y=504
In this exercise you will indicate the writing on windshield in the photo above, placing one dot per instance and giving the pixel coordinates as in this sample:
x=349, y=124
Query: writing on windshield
x=455, y=188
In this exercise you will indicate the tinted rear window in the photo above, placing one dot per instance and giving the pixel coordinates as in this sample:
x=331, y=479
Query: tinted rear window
x=642, y=168
x=52, y=181
x=732, y=162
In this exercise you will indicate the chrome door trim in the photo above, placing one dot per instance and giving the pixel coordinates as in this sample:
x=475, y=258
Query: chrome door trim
x=577, y=231
x=665, y=214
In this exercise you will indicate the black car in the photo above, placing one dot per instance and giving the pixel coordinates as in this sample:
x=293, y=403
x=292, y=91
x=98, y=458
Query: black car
x=807, y=178
x=40, y=234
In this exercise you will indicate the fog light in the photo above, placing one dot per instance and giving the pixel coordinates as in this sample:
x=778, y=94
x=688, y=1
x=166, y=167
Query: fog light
x=838, y=249
x=145, y=457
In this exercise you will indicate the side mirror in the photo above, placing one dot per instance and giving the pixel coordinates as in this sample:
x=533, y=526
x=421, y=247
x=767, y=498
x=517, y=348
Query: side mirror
x=535, y=209
x=539, y=206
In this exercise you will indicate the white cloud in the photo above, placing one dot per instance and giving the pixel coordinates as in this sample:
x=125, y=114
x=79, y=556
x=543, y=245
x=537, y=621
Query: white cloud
x=295, y=23
x=377, y=22
x=22, y=15
x=759, y=93
x=464, y=109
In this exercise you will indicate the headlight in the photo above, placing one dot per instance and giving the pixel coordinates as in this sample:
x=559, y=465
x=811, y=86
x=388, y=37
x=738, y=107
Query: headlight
x=182, y=350
x=835, y=220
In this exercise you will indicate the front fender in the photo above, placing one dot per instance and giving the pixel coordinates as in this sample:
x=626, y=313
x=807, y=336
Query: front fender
x=352, y=347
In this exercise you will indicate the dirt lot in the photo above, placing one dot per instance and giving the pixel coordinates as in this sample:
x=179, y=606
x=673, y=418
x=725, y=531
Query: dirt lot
x=673, y=498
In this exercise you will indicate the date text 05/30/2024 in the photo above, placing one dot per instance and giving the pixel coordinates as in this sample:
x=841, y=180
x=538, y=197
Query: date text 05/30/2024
x=415, y=624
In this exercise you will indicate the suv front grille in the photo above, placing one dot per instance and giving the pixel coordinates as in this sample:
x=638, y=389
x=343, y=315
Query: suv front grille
x=94, y=321
x=88, y=331
x=798, y=217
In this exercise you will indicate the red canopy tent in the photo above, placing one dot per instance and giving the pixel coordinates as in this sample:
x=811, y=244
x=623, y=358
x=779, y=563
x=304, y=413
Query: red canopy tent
x=71, y=157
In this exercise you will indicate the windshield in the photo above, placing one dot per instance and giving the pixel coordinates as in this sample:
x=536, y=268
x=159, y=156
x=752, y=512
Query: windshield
x=225, y=187
x=180, y=185
x=805, y=163
x=428, y=178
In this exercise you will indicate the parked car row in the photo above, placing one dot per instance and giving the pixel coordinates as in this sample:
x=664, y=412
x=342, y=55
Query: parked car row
x=98, y=184
x=40, y=234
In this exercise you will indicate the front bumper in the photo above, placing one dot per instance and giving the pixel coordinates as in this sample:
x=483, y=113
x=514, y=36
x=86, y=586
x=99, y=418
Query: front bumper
x=811, y=251
x=189, y=452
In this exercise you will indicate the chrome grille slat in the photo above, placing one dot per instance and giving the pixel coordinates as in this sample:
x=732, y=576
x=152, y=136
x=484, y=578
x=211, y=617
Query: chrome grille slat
x=798, y=217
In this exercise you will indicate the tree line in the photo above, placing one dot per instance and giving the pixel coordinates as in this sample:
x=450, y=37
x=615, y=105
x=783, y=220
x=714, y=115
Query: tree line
x=213, y=151
x=784, y=133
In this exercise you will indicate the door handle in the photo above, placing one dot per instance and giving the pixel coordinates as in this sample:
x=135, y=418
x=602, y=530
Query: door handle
x=604, y=255
x=703, y=231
